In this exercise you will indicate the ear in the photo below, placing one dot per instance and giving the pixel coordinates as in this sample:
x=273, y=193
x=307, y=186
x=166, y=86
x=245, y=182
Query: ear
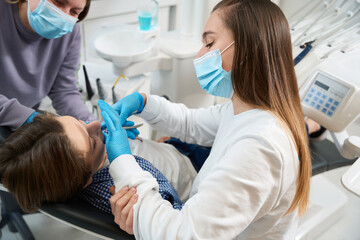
x=88, y=182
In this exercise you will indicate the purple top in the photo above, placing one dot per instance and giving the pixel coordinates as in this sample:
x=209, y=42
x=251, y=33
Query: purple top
x=32, y=67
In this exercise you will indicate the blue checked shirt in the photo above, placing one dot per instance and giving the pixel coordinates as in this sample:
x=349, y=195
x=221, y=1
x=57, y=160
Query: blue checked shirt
x=98, y=192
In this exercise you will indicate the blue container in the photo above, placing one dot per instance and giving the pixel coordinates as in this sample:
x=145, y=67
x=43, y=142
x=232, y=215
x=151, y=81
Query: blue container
x=145, y=19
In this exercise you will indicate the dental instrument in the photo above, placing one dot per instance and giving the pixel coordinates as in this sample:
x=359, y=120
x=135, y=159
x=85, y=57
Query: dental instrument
x=89, y=89
x=334, y=28
x=134, y=126
x=327, y=6
x=114, y=95
x=101, y=91
x=313, y=5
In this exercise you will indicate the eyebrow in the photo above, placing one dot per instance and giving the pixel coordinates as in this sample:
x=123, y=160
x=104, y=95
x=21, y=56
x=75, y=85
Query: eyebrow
x=77, y=8
x=204, y=35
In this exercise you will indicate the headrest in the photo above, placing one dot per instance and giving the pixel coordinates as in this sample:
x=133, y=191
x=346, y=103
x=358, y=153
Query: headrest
x=4, y=133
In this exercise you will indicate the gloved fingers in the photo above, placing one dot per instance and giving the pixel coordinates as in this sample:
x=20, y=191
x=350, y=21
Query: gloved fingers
x=103, y=125
x=132, y=134
x=110, y=125
x=111, y=114
x=105, y=136
x=103, y=105
x=123, y=116
x=135, y=131
x=117, y=106
x=128, y=124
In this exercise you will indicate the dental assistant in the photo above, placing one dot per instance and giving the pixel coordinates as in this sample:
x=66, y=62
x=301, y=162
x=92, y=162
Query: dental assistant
x=39, y=56
x=255, y=182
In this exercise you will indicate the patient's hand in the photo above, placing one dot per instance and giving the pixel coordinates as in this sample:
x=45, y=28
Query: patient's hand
x=163, y=139
x=122, y=204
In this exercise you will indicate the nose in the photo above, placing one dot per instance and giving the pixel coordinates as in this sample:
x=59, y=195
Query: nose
x=200, y=53
x=66, y=10
x=94, y=128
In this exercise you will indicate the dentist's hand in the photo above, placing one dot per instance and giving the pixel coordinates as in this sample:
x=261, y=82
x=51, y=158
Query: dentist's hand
x=132, y=133
x=133, y=103
x=117, y=140
x=31, y=117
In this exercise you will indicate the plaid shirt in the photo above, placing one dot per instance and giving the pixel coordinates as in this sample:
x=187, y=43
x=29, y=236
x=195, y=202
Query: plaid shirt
x=98, y=192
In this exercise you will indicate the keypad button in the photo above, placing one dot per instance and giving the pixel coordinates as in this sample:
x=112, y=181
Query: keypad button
x=312, y=104
x=336, y=103
x=318, y=94
x=324, y=96
x=330, y=113
x=309, y=95
x=312, y=90
x=331, y=100
x=316, y=99
x=307, y=100
x=321, y=101
x=333, y=108
x=324, y=110
x=327, y=105
x=318, y=106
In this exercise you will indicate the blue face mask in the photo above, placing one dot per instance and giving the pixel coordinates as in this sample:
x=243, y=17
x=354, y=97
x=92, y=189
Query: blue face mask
x=49, y=21
x=212, y=77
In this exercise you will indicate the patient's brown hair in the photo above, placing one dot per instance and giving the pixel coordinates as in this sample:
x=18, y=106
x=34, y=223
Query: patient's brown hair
x=38, y=164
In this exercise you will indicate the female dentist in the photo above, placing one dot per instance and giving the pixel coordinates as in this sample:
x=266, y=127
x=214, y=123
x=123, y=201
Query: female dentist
x=255, y=182
x=39, y=55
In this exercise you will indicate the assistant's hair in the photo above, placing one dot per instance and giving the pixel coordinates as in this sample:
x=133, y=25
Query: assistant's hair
x=263, y=74
x=38, y=164
x=82, y=15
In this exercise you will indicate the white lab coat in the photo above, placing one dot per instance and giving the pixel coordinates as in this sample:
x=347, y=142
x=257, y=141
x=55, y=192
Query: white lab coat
x=243, y=189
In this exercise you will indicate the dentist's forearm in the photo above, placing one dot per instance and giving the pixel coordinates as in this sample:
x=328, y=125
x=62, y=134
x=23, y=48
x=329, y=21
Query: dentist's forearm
x=144, y=96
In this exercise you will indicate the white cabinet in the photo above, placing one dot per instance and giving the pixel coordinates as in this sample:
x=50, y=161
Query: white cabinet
x=106, y=14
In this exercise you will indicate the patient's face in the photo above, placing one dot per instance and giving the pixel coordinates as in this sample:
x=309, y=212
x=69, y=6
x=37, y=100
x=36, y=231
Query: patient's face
x=87, y=139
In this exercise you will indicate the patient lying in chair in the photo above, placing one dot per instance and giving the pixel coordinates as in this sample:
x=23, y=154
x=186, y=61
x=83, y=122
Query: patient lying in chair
x=55, y=158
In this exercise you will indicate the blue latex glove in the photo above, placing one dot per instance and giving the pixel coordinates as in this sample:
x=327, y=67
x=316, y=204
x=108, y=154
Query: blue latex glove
x=133, y=103
x=31, y=117
x=132, y=133
x=117, y=142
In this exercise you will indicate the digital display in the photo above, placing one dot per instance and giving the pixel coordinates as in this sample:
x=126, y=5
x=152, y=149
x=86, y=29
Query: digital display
x=323, y=86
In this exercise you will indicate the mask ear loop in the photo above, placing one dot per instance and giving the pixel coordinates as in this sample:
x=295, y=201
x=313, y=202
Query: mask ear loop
x=227, y=47
x=29, y=10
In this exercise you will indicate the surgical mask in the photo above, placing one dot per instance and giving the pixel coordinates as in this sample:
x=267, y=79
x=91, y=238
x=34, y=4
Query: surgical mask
x=212, y=77
x=49, y=21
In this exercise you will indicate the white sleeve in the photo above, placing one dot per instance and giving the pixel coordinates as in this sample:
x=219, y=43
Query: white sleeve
x=190, y=125
x=241, y=188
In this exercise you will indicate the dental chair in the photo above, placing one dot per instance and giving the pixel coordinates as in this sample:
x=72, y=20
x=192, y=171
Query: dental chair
x=81, y=215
